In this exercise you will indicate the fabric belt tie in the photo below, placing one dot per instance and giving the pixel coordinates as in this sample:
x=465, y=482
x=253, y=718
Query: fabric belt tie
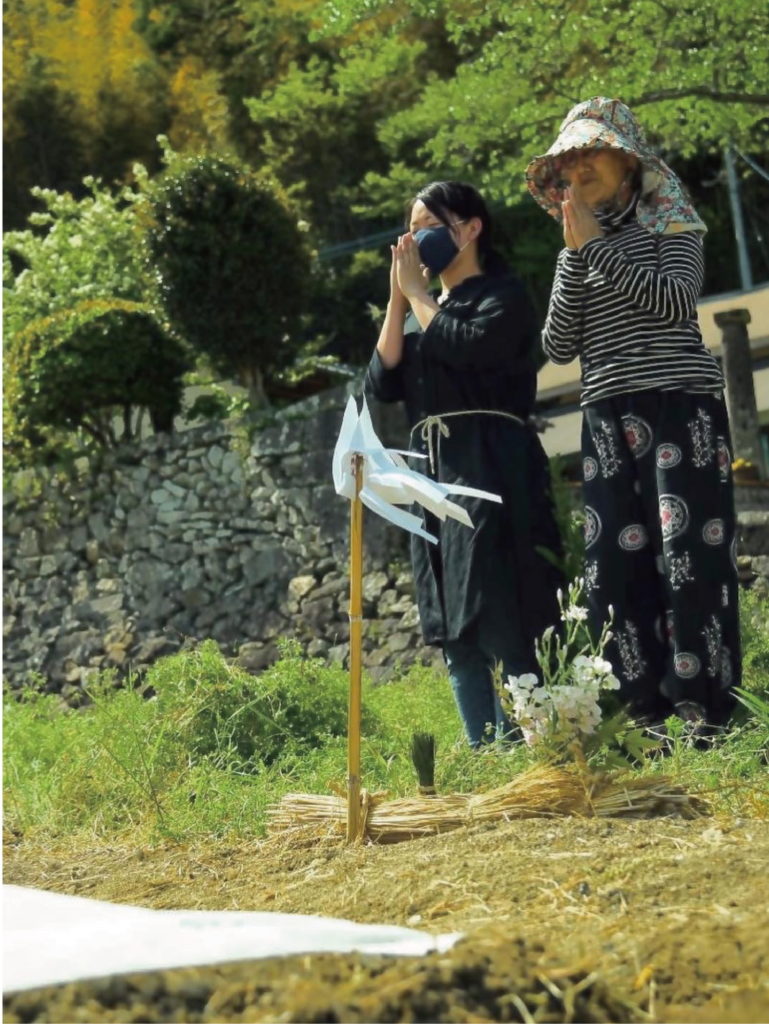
x=434, y=427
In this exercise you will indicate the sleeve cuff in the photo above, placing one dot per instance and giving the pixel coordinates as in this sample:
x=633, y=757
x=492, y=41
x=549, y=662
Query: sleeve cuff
x=591, y=246
x=376, y=366
x=573, y=263
x=378, y=374
x=432, y=335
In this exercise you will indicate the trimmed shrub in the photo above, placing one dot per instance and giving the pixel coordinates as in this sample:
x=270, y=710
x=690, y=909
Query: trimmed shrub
x=230, y=265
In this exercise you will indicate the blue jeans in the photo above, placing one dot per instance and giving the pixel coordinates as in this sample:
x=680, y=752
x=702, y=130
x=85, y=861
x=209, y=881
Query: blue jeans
x=470, y=667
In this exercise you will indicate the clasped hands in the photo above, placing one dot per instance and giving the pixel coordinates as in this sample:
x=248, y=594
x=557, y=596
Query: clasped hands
x=407, y=275
x=579, y=221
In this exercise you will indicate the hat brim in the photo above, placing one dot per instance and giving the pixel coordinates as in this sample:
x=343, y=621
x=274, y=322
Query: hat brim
x=542, y=175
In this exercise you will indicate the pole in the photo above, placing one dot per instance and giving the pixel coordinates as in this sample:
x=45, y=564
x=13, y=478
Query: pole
x=746, y=279
x=740, y=387
x=356, y=624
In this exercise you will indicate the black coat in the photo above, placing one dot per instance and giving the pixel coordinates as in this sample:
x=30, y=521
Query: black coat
x=478, y=353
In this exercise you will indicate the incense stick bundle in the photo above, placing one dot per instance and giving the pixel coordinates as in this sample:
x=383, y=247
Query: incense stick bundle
x=423, y=757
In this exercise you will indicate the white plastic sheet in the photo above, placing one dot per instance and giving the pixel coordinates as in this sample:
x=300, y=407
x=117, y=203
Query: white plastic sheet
x=50, y=938
x=389, y=481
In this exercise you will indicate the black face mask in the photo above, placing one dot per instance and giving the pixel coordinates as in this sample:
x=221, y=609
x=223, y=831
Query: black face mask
x=436, y=247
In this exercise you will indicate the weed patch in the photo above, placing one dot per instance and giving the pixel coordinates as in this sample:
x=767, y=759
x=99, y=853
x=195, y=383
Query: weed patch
x=203, y=748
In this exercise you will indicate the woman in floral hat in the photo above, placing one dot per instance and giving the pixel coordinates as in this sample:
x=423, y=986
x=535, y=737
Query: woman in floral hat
x=659, y=504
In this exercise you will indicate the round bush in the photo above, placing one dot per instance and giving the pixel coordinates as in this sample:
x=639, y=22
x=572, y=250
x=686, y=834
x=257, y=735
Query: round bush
x=224, y=713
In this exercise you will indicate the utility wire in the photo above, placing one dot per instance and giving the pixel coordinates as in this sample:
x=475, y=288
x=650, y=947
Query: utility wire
x=758, y=234
x=330, y=252
x=751, y=163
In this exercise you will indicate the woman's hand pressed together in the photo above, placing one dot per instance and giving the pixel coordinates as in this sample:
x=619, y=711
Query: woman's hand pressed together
x=413, y=280
x=412, y=277
x=579, y=221
x=397, y=298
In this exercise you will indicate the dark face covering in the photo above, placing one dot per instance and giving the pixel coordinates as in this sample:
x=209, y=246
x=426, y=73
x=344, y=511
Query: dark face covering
x=436, y=248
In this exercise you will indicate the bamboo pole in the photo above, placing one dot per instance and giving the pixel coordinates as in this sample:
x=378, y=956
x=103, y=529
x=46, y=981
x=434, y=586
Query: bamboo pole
x=356, y=624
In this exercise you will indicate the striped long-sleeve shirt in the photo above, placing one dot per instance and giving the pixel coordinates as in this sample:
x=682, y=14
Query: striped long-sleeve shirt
x=626, y=304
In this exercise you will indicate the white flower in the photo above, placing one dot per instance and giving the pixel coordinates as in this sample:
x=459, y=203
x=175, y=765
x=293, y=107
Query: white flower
x=583, y=670
x=566, y=705
x=574, y=614
x=602, y=666
x=525, y=682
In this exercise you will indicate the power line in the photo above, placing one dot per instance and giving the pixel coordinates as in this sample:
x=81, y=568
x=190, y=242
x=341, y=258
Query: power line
x=330, y=252
x=752, y=164
x=738, y=224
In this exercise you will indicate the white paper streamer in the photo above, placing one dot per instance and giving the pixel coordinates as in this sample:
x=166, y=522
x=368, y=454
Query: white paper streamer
x=388, y=481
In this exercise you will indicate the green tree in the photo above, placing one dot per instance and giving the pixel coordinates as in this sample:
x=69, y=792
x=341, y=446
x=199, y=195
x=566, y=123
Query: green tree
x=85, y=94
x=79, y=369
x=75, y=250
x=695, y=72
x=82, y=343
x=319, y=125
x=315, y=126
x=41, y=144
x=219, y=53
x=231, y=266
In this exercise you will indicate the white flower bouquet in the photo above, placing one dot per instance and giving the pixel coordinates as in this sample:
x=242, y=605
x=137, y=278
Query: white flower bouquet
x=559, y=709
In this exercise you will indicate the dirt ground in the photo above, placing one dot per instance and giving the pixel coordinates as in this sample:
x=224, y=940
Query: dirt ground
x=564, y=919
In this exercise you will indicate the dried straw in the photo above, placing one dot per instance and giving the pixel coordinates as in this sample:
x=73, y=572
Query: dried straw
x=543, y=791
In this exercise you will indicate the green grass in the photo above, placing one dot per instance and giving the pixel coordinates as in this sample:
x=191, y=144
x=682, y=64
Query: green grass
x=202, y=747
x=754, y=629
x=212, y=746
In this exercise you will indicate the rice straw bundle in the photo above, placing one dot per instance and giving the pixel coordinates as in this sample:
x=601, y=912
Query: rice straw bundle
x=544, y=791
x=644, y=797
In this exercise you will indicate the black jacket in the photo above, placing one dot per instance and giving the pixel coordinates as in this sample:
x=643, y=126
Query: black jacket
x=478, y=354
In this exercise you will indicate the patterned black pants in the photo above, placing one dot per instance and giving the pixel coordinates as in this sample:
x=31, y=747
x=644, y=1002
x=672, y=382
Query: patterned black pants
x=660, y=547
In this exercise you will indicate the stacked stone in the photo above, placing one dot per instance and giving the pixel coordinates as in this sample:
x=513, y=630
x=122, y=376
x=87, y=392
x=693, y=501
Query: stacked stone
x=753, y=548
x=391, y=630
x=191, y=536
x=201, y=534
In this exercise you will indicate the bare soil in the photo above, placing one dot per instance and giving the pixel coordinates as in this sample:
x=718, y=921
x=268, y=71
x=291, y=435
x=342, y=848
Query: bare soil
x=564, y=919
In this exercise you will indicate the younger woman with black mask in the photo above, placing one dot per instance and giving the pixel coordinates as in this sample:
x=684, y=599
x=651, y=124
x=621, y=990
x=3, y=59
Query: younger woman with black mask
x=464, y=363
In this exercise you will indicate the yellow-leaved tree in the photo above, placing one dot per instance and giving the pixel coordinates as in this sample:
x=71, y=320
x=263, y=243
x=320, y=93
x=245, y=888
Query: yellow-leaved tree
x=84, y=93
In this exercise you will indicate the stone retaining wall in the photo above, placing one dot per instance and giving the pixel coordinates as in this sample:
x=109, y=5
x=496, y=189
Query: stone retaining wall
x=191, y=536
x=200, y=535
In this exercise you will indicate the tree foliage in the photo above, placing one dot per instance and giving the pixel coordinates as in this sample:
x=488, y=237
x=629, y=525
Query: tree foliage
x=230, y=265
x=77, y=369
x=694, y=71
x=82, y=344
x=75, y=250
x=84, y=94
x=351, y=105
x=319, y=125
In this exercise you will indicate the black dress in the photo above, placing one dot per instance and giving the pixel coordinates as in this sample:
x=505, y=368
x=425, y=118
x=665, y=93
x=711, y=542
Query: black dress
x=478, y=354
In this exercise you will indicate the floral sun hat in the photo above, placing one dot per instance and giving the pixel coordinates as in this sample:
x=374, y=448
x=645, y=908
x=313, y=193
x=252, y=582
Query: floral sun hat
x=598, y=123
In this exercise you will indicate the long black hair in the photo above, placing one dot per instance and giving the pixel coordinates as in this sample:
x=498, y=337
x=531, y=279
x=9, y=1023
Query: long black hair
x=443, y=198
